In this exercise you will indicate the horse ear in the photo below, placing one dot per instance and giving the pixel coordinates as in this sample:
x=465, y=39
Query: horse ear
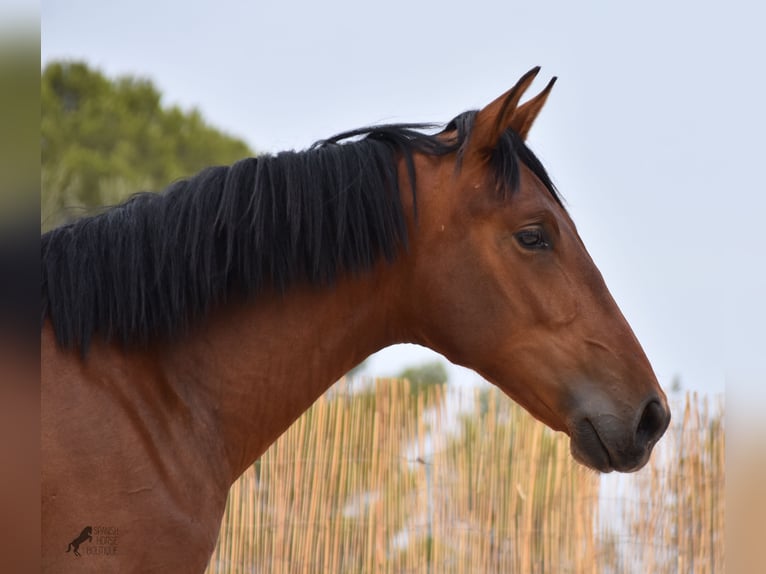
x=495, y=118
x=525, y=116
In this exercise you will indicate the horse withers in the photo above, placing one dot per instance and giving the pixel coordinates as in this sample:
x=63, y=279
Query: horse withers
x=183, y=332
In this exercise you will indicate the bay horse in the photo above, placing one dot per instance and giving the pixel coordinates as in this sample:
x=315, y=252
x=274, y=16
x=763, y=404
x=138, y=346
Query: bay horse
x=183, y=332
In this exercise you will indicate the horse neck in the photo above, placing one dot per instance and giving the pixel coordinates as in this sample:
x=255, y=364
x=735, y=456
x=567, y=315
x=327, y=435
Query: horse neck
x=261, y=365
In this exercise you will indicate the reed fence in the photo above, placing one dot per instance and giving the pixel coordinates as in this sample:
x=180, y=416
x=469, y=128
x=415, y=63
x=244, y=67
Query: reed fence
x=391, y=481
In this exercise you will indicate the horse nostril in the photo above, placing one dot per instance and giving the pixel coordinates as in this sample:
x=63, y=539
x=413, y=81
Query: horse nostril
x=654, y=420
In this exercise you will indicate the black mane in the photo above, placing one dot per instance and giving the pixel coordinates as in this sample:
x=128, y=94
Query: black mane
x=149, y=268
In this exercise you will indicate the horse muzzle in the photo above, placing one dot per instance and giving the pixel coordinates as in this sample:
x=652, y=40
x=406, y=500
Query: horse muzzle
x=606, y=441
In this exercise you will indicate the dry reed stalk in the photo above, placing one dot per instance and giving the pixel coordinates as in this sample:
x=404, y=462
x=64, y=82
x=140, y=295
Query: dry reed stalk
x=383, y=481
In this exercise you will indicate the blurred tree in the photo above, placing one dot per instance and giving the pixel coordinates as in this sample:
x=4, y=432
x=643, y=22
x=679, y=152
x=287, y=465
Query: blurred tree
x=424, y=375
x=104, y=139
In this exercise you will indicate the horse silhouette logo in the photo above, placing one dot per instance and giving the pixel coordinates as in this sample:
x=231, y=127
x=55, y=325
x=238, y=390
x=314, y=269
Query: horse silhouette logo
x=84, y=535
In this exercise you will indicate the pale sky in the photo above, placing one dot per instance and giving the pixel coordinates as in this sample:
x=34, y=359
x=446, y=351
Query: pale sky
x=651, y=133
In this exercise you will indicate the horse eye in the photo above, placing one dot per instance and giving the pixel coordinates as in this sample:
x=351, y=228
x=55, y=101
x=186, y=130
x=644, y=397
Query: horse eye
x=532, y=239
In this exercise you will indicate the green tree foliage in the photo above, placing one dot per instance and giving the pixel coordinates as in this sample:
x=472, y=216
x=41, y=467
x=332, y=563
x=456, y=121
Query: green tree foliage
x=425, y=375
x=104, y=139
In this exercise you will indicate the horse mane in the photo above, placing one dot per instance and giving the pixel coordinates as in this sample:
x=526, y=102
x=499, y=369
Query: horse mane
x=148, y=269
